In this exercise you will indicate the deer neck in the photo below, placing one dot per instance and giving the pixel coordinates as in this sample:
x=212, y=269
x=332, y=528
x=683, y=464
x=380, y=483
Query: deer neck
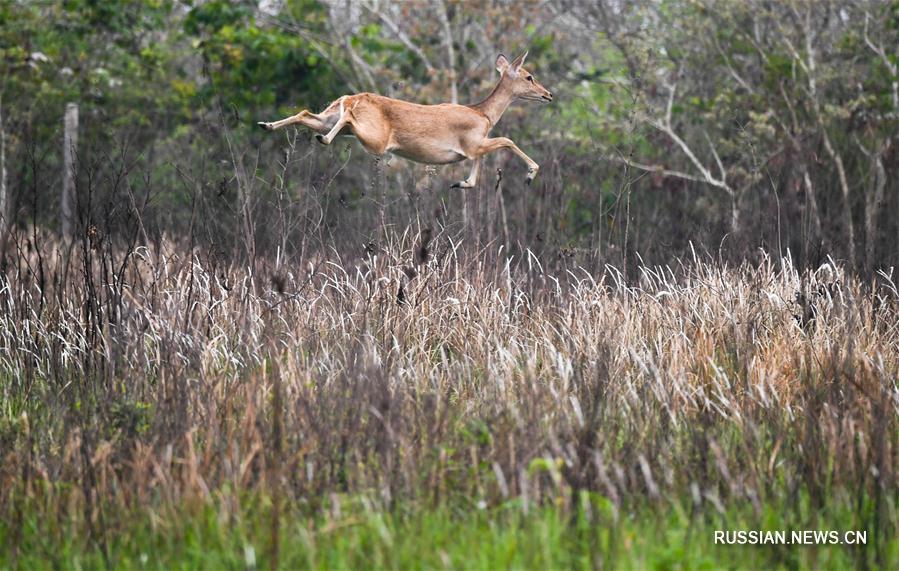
x=497, y=102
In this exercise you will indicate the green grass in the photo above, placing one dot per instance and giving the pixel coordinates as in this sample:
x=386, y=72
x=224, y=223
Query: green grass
x=215, y=535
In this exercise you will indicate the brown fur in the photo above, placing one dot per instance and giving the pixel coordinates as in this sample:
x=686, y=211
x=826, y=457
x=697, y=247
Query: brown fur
x=430, y=134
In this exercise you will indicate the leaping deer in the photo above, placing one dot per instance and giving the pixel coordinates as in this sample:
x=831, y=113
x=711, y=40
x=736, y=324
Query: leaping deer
x=430, y=134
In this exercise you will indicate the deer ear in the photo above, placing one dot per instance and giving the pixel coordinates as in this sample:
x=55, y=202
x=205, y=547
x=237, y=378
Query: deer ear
x=519, y=61
x=501, y=63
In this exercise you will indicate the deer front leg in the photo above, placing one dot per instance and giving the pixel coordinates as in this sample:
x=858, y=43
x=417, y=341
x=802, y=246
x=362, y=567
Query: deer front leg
x=306, y=118
x=472, y=179
x=490, y=145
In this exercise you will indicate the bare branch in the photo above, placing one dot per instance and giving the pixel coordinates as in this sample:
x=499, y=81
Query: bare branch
x=654, y=168
x=671, y=89
x=400, y=34
x=730, y=67
x=717, y=158
x=706, y=173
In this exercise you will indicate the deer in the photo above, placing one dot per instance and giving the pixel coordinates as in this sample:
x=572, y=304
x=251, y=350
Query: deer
x=430, y=134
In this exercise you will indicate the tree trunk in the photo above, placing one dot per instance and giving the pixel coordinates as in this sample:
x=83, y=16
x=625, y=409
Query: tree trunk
x=844, y=187
x=735, y=214
x=812, y=202
x=450, y=52
x=4, y=190
x=70, y=146
x=873, y=204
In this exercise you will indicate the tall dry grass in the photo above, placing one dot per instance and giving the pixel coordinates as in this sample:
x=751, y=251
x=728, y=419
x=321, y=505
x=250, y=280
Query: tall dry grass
x=431, y=374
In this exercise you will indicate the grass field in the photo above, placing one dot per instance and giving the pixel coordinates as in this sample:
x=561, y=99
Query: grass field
x=427, y=406
x=212, y=534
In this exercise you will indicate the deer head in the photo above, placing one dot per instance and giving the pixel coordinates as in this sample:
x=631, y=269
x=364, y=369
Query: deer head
x=523, y=83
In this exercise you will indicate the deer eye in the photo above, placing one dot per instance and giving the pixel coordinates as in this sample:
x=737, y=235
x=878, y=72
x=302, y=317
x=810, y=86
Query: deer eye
x=530, y=78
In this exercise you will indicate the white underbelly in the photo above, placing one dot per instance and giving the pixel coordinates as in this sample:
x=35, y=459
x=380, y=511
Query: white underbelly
x=428, y=156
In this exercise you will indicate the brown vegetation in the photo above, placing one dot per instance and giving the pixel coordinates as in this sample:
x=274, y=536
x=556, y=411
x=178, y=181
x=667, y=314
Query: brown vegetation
x=442, y=377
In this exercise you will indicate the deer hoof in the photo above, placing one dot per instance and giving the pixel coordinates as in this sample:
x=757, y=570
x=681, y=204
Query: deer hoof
x=265, y=126
x=532, y=174
x=321, y=139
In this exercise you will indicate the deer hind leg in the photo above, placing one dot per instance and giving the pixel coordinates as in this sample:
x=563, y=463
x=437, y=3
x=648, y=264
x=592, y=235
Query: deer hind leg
x=490, y=145
x=472, y=179
x=342, y=121
x=317, y=122
x=368, y=125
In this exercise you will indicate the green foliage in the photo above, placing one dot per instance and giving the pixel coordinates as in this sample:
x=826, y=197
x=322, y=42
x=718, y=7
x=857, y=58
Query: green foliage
x=254, y=70
x=212, y=535
x=131, y=418
x=124, y=61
